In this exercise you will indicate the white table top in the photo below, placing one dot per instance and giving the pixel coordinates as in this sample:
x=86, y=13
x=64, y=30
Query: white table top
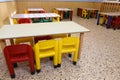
x=35, y=15
x=40, y=29
x=35, y=9
x=63, y=9
x=110, y=13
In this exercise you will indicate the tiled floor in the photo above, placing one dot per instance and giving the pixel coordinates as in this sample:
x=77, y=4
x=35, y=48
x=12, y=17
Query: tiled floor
x=100, y=58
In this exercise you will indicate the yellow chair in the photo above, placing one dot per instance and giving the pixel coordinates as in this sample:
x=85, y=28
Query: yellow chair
x=103, y=19
x=26, y=11
x=57, y=12
x=15, y=21
x=27, y=40
x=84, y=13
x=68, y=45
x=46, y=48
x=59, y=36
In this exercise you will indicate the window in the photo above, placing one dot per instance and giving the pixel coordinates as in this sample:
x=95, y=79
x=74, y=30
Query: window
x=112, y=0
x=5, y=0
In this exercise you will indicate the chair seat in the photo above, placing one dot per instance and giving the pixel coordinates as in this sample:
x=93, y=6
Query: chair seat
x=72, y=49
x=46, y=54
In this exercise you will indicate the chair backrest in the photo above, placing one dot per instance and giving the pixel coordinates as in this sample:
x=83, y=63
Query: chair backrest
x=15, y=21
x=84, y=11
x=46, y=45
x=26, y=11
x=25, y=40
x=19, y=50
x=24, y=20
x=69, y=42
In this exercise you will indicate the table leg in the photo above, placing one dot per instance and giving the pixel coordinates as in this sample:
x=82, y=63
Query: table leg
x=98, y=19
x=2, y=44
x=58, y=19
x=69, y=35
x=88, y=16
x=78, y=11
x=80, y=44
x=11, y=41
x=60, y=13
x=71, y=15
x=96, y=13
x=109, y=20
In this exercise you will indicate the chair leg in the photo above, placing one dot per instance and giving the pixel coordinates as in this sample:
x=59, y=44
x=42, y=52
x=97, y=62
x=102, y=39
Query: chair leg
x=11, y=69
x=69, y=55
x=12, y=76
x=75, y=58
x=15, y=65
x=55, y=61
x=74, y=63
x=51, y=58
x=38, y=64
x=31, y=62
x=59, y=59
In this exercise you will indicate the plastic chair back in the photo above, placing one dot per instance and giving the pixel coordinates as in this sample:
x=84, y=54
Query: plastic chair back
x=68, y=45
x=18, y=53
x=45, y=48
x=24, y=20
x=84, y=13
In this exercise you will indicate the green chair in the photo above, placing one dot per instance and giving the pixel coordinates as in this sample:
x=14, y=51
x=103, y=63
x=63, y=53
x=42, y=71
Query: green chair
x=47, y=20
x=37, y=20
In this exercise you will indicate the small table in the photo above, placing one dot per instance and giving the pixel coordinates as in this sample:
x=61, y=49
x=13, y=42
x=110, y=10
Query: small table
x=37, y=15
x=41, y=29
x=61, y=10
x=79, y=12
x=109, y=14
x=35, y=10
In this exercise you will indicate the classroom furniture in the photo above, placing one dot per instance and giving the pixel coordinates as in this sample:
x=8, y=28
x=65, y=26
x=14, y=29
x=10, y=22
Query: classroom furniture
x=110, y=7
x=18, y=53
x=37, y=38
x=107, y=7
x=43, y=49
x=84, y=13
x=68, y=45
x=61, y=10
x=79, y=12
x=109, y=14
x=37, y=15
x=36, y=10
x=26, y=39
x=115, y=22
x=87, y=12
x=38, y=29
x=24, y=20
x=59, y=36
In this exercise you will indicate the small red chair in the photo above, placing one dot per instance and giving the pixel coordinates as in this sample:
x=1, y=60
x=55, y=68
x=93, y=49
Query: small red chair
x=79, y=12
x=18, y=53
x=115, y=23
x=24, y=20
